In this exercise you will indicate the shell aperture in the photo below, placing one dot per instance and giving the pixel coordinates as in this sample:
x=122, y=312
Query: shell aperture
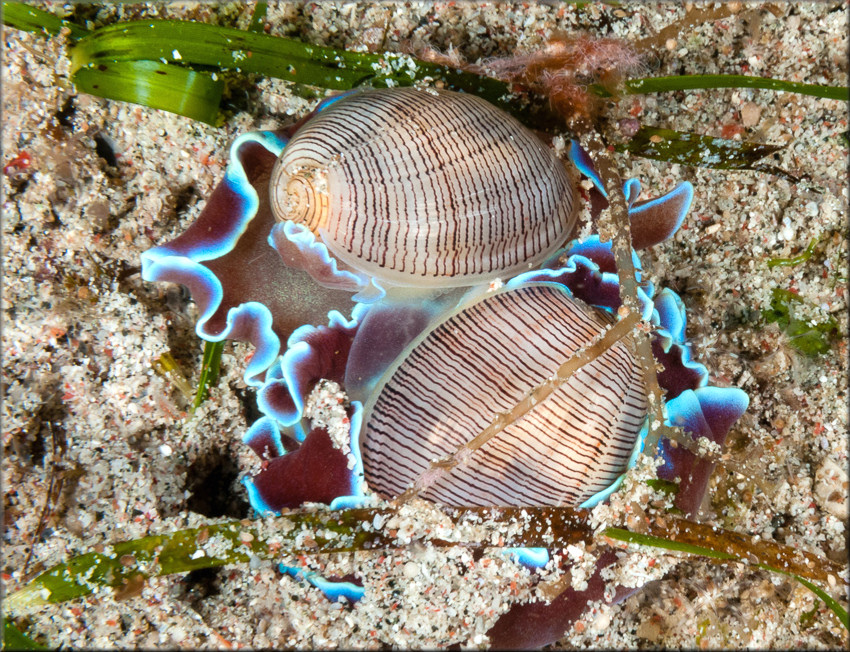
x=426, y=188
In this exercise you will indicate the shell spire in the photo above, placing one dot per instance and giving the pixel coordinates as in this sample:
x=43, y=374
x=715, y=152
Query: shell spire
x=300, y=194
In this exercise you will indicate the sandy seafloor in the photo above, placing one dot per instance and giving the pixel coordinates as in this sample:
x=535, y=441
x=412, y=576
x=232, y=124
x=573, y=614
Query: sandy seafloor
x=81, y=331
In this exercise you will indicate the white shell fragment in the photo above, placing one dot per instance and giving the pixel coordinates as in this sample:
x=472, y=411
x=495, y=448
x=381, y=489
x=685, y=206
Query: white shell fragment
x=425, y=188
x=831, y=488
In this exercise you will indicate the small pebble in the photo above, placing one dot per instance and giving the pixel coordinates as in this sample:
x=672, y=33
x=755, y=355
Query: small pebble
x=629, y=126
x=411, y=570
x=750, y=114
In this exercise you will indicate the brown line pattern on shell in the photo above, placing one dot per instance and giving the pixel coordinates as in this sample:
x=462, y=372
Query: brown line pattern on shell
x=573, y=444
x=399, y=163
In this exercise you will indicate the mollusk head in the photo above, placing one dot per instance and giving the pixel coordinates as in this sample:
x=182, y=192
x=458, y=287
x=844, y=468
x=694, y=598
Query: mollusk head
x=430, y=188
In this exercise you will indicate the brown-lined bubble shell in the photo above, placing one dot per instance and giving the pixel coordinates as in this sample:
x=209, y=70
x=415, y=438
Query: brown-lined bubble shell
x=425, y=187
x=480, y=361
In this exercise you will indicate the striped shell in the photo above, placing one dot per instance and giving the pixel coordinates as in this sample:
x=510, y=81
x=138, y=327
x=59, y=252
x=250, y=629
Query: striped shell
x=481, y=360
x=424, y=188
